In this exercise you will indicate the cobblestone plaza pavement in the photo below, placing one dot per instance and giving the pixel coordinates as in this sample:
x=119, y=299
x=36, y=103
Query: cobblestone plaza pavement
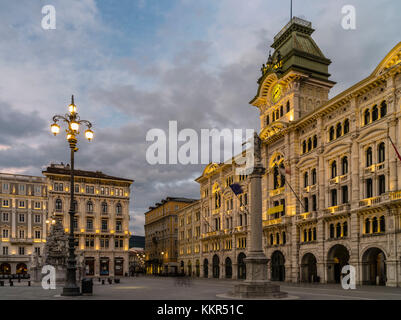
x=155, y=288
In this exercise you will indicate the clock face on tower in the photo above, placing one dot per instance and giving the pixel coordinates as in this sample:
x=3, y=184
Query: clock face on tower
x=276, y=93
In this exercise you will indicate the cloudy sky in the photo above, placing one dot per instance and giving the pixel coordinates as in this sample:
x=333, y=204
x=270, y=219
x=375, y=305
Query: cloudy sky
x=133, y=65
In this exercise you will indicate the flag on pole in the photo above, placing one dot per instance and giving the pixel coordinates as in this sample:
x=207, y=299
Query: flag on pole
x=395, y=149
x=236, y=188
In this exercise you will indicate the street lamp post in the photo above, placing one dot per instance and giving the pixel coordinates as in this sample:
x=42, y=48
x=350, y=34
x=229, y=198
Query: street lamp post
x=73, y=122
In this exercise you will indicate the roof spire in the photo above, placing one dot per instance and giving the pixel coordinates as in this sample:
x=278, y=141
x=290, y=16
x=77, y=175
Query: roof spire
x=72, y=99
x=291, y=11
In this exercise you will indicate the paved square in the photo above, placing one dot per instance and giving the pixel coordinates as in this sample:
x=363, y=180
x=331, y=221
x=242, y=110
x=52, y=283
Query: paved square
x=157, y=288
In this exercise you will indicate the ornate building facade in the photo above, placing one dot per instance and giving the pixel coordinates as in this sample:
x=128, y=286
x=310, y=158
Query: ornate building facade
x=332, y=188
x=30, y=204
x=161, y=235
x=23, y=214
x=101, y=225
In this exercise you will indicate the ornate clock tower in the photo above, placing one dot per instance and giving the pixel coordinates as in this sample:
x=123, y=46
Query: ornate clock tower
x=295, y=79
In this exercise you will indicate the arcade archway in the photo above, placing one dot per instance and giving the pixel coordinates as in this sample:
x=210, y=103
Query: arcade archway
x=241, y=266
x=309, y=268
x=229, y=268
x=337, y=258
x=216, y=266
x=374, y=267
x=277, y=266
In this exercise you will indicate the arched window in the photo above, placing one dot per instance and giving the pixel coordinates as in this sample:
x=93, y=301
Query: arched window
x=314, y=177
x=369, y=159
x=277, y=114
x=346, y=126
x=314, y=234
x=59, y=205
x=309, y=144
x=282, y=176
x=344, y=165
x=334, y=169
x=331, y=134
x=345, y=229
x=288, y=106
x=383, y=109
x=374, y=225
x=271, y=239
x=273, y=116
x=306, y=180
x=104, y=207
x=367, y=226
x=314, y=142
x=382, y=152
x=75, y=206
x=305, y=235
x=89, y=206
x=281, y=111
x=375, y=113
x=382, y=224
x=331, y=231
x=306, y=204
x=267, y=120
x=339, y=130
x=338, y=230
x=366, y=117
x=304, y=147
x=284, y=238
x=310, y=235
x=277, y=238
x=119, y=208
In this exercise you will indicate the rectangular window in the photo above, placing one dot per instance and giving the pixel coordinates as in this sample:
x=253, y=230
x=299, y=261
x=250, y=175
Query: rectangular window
x=75, y=224
x=60, y=187
x=369, y=188
x=21, y=217
x=6, y=204
x=55, y=187
x=345, y=194
x=38, y=190
x=89, y=225
x=6, y=187
x=21, y=189
x=37, y=234
x=104, y=225
x=5, y=233
x=76, y=188
x=119, y=226
x=382, y=184
x=333, y=197
x=5, y=216
x=37, y=205
x=37, y=218
x=22, y=234
x=102, y=190
x=21, y=251
x=37, y=250
x=21, y=204
x=5, y=251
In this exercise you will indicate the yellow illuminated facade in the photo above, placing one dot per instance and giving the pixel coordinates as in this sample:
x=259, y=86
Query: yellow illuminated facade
x=101, y=225
x=336, y=155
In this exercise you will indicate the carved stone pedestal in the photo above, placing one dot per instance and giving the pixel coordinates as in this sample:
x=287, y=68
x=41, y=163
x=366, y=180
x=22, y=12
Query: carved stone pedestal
x=256, y=268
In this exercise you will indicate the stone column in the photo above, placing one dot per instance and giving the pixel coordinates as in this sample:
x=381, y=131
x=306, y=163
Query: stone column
x=256, y=284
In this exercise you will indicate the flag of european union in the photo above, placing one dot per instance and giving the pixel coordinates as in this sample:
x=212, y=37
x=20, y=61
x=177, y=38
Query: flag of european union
x=236, y=188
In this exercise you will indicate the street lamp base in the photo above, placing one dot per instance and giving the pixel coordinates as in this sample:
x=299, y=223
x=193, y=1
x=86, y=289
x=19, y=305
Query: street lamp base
x=71, y=291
